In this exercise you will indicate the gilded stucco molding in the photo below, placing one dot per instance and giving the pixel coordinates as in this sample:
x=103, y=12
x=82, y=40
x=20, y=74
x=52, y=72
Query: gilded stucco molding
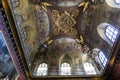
x=85, y=5
x=45, y=5
x=64, y=22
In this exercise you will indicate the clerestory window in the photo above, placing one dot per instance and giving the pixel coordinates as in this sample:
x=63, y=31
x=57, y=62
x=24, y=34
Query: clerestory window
x=65, y=69
x=42, y=69
x=89, y=68
x=102, y=58
x=111, y=33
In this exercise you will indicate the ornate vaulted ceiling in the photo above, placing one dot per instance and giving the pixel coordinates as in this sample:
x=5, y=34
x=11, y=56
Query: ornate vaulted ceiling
x=57, y=31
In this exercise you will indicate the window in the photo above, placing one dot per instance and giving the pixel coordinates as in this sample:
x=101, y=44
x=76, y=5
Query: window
x=69, y=3
x=42, y=69
x=111, y=33
x=65, y=69
x=108, y=33
x=23, y=34
x=113, y=3
x=102, y=58
x=89, y=68
x=22, y=31
x=15, y=3
x=117, y=2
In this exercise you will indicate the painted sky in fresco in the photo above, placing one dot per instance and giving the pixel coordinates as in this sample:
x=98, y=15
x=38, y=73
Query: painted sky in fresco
x=2, y=39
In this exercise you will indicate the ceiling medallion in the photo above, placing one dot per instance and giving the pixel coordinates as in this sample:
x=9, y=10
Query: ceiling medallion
x=64, y=21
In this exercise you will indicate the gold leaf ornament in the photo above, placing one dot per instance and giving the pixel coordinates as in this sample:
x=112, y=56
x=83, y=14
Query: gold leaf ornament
x=85, y=4
x=55, y=13
x=50, y=41
x=80, y=40
x=45, y=5
x=65, y=22
x=56, y=31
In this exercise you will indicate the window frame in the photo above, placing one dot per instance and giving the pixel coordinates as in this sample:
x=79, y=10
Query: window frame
x=118, y=3
x=104, y=59
x=23, y=33
x=110, y=33
x=44, y=68
x=67, y=65
x=89, y=69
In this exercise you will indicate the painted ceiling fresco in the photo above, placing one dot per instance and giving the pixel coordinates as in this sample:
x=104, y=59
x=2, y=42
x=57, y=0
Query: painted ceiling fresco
x=62, y=3
x=61, y=37
x=65, y=44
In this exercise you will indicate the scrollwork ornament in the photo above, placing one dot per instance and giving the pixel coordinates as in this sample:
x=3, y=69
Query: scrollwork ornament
x=74, y=13
x=56, y=31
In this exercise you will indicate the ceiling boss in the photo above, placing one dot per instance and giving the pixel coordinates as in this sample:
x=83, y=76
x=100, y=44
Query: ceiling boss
x=64, y=22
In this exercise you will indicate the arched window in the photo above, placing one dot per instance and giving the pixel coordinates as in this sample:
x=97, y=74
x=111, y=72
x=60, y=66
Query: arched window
x=14, y=3
x=42, y=69
x=23, y=34
x=111, y=33
x=65, y=69
x=117, y=2
x=102, y=58
x=113, y=3
x=107, y=32
x=89, y=68
x=22, y=31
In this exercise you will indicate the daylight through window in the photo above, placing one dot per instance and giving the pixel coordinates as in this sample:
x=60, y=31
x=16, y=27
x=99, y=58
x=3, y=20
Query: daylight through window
x=89, y=68
x=23, y=34
x=42, y=69
x=102, y=58
x=117, y=2
x=65, y=69
x=111, y=33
